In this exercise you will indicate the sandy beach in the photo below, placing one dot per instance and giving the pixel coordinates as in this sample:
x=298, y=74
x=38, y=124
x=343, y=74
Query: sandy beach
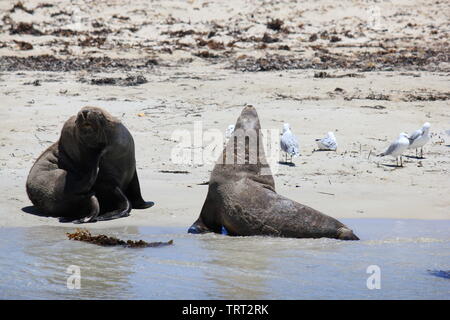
x=160, y=67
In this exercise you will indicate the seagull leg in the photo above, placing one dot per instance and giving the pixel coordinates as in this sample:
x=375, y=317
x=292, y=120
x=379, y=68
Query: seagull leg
x=401, y=161
x=421, y=152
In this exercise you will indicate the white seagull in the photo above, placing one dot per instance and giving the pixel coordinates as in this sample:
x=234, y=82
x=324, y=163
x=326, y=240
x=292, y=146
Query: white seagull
x=289, y=142
x=397, y=148
x=419, y=138
x=327, y=143
x=229, y=131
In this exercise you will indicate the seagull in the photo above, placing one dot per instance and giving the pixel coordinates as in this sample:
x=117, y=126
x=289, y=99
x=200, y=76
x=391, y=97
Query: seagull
x=229, y=131
x=289, y=142
x=397, y=148
x=327, y=143
x=419, y=138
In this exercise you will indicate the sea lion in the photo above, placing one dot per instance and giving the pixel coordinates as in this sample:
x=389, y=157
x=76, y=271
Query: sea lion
x=89, y=174
x=242, y=200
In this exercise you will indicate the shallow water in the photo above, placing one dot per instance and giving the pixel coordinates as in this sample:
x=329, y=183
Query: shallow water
x=413, y=256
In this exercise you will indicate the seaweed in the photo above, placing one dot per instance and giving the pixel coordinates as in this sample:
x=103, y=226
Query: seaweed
x=268, y=39
x=125, y=82
x=275, y=24
x=323, y=74
x=92, y=42
x=52, y=63
x=25, y=28
x=104, y=240
x=24, y=45
x=19, y=6
x=269, y=63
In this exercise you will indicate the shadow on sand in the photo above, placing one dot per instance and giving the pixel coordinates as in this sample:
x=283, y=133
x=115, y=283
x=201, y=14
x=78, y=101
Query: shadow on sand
x=391, y=165
x=34, y=211
x=284, y=163
x=415, y=157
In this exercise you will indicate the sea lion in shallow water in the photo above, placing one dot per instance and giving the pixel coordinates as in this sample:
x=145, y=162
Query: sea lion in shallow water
x=89, y=174
x=242, y=199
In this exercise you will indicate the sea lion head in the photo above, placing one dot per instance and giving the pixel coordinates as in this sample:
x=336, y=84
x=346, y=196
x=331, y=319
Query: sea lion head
x=93, y=125
x=248, y=119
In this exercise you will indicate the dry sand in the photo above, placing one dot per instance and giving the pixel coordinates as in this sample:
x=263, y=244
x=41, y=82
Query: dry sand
x=401, y=84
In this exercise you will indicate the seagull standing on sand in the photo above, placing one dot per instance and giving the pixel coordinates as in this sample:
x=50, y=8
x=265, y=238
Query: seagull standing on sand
x=397, y=148
x=419, y=138
x=229, y=131
x=327, y=143
x=289, y=142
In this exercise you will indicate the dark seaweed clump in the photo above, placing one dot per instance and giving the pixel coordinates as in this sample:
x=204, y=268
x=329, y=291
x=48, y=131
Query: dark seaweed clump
x=103, y=240
x=51, y=63
x=413, y=58
x=124, y=82
x=270, y=63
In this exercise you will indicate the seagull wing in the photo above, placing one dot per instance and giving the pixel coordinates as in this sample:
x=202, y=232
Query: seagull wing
x=391, y=148
x=329, y=143
x=289, y=143
x=416, y=134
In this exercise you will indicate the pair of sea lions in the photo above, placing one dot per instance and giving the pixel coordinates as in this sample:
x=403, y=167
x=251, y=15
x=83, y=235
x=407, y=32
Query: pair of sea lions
x=90, y=175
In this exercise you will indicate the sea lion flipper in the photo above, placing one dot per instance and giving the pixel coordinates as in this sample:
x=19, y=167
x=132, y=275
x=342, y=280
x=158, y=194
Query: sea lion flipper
x=123, y=211
x=198, y=227
x=133, y=193
x=94, y=208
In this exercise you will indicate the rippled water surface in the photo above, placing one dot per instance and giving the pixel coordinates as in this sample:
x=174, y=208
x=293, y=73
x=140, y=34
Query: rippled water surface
x=413, y=256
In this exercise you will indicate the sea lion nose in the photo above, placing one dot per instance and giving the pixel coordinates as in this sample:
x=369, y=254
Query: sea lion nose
x=84, y=113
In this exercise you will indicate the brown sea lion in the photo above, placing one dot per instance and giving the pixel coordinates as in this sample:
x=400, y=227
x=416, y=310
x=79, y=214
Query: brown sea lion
x=242, y=200
x=89, y=174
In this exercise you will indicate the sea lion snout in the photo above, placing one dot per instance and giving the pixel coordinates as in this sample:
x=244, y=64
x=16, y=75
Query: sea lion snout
x=91, y=123
x=84, y=114
x=90, y=116
x=249, y=110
